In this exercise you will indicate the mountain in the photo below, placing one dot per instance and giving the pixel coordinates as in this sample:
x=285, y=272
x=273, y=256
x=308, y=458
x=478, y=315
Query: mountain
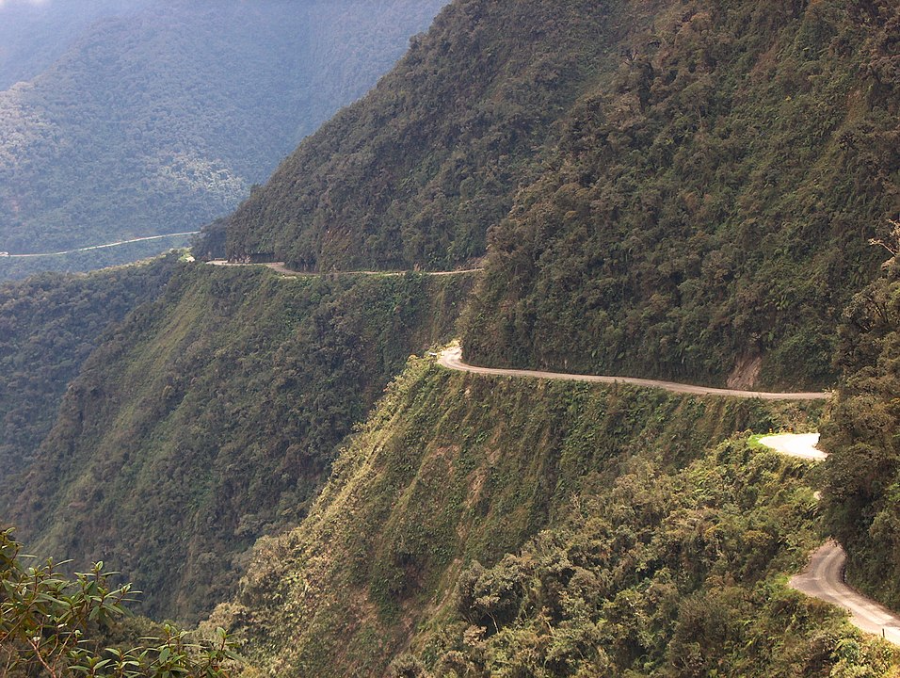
x=49, y=326
x=863, y=473
x=211, y=417
x=414, y=174
x=34, y=34
x=669, y=189
x=698, y=182
x=161, y=120
x=480, y=526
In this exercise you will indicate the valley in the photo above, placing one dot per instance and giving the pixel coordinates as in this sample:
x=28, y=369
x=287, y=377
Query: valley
x=524, y=363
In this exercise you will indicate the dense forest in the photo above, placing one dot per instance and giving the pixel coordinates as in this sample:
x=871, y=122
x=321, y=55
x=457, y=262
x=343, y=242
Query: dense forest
x=863, y=474
x=495, y=527
x=677, y=188
x=35, y=34
x=211, y=416
x=162, y=120
x=688, y=192
x=49, y=325
x=415, y=173
x=710, y=206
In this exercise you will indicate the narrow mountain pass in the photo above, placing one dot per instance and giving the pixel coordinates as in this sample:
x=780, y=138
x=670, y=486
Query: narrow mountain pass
x=281, y=267
x=823, y=578
x=451, y=358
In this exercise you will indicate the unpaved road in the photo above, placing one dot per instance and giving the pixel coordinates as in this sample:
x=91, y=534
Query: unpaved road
x=823, y=578
x=451, y=358
x=280, y=267
x=99, y=247
x=802, y=445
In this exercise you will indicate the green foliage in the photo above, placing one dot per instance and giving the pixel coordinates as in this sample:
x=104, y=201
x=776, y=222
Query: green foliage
x=679, y=189
x=161, y=119
x=211, y=417
x=415, y=173
x=863, y=473
x=707, y=214
x=661, y=573
x=49, y=325
x=34, y=38
x=415, y=540
x=60, y=628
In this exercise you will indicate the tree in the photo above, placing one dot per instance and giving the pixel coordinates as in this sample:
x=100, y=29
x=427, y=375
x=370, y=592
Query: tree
x=54, y=626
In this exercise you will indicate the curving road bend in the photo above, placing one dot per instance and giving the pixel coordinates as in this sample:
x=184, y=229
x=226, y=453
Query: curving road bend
x=823, y=578
x=802, y=445
x=451, y=358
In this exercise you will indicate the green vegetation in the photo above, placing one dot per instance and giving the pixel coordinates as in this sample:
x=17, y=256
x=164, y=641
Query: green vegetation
x=455, y=469
x=60, y=628
x=862, y=493
x=33, y=37
x=673, y=188
x=415, y=173
x=662, y=574
x=49, y=325
x=211, y=417
x=707, y=214
x=162, y=119
x=677, y=189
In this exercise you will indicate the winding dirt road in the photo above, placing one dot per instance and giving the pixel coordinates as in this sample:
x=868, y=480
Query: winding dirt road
x=823, y=578
x=99, y=247
x=451, y=358
x=281, y=267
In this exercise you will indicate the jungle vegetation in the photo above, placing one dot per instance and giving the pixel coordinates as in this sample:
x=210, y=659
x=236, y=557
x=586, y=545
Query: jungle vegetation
x=211, y=416
x=677, y=188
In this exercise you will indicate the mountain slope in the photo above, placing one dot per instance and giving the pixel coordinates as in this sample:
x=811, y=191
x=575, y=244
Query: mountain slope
x=160, y=121
x=707, y=215
x=673, y=189
x=211, y=417
x=414, y=174
x=49, y=325
x=863, y=472
x=35, y=34
x=656, y=549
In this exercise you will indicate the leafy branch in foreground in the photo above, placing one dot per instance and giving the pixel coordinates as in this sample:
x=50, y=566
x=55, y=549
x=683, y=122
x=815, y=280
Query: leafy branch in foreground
x=54, y=626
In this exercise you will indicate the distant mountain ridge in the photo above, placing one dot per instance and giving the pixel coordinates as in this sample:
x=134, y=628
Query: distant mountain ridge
x=161, y=120
x=35, y=34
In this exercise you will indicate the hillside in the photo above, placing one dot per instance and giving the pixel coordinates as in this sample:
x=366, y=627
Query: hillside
x=863, y=474
x=672, y=189
x=507, y=527
x=211, y=417
x=93, y=258
x=49, y=325
x=35, y=34
x=708, y=213
x=415, y=173
x=162, y=120
x=675, y=189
